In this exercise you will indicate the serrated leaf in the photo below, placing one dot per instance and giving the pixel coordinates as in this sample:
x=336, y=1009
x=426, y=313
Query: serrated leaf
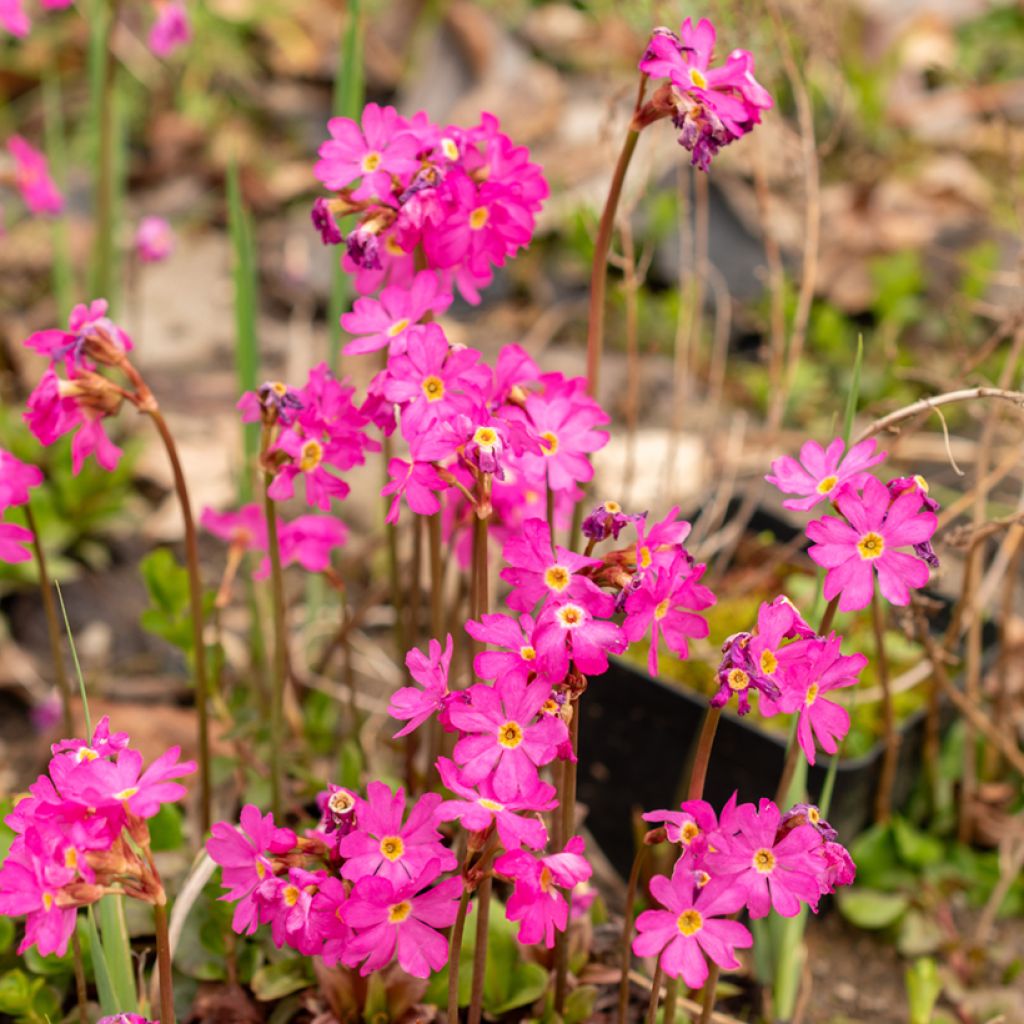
x=869, y=908
x=275, y=981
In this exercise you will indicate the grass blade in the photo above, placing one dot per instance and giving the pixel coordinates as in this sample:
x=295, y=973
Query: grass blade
x=117, y=952
x=56, y=154
x=74, y=658
x=853, y=395
x=104, y=986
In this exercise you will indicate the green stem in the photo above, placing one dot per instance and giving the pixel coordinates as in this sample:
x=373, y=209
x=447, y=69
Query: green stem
x=163, y=959
x=627, y=929
x=195, y=595
x=52, y=625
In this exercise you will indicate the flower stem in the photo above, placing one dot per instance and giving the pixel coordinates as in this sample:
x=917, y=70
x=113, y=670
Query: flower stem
x=652, y=1006
x=458, y=928
x=707, y=1007
x=627, y=929
x=699, y=774
x=280, y=666
x=567, y=806
x=483, y=914
x=195, y=595
x=52, y=625
x=81, y=992
x=454, y=956
x=883, y=798
x=668, y=1013
x=163, y=959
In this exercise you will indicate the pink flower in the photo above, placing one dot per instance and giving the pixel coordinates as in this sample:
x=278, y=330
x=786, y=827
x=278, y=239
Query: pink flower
x=13, y=18
x=328, y=919
x=535, y=902
x=245, y=528
x=659, y=545
x=309, y=540
x=31, y=883
x=694, y=924
x=690, y=826
x=91, y=334
x=516, y=659
x=103, y=743
x=154, y=240
x=772, y=872
x=387, y=917
x=382, y=845
x=32, y=176
x=171, y=28
x=380, y=148
x=244, y=854
x=820, y=473
x=479, y=809
x=816, y=669
x=662, y=604
x=502, y=738
x=126, y=1018
x=536, y=572
x=413, y=705
x=16, y=478
x=865, y=543
x=568, y=629
x=286, y=903
x=12, y=541
x=385, y=322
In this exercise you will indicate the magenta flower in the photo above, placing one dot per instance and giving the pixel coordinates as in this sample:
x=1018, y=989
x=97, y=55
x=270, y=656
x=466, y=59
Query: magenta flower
x=517, y=657
x=694, y=924
x=502, y=738
x=13, y=539
x=328, y=920
x=31, y=883
x=817, y=669
x=478, y=809
x=32, y=177
x=381, y=147
x=413, y=705
x=690, y=826
x=126, y=1018
x=536, y=573
x=866, y=543
x=154, y=240
x=659, y=545
x=568, y=630
x=16, y=478
x=286, y=903
x=244, y=854
x=91, y=334
x=821, y=472
x=103, y=743
x=171, y=28
x=772, y=872
x=382, y=845
x=535, y=902
x=388, y=918
x=665, y=603
x=385, y=322
x=606, y=520
x=13, y=18
x=244, y=528
x=308, y=541
x=418, y=482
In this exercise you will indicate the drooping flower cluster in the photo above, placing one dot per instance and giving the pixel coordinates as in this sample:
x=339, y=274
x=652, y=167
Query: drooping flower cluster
x=711, y=106
x=875, y=520
x=16, y=480
x=82, y=833
x=751, y=857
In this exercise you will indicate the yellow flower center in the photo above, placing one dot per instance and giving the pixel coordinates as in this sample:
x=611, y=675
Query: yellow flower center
x=486, y=437
x=661, y=610
x=433, y=388
x=688, y=833
x=397, y=327
x=341, y=801
x=527, y=653
x=769, y=663
x=392, y=847
x=392, y=246
x=449, y=148
x=813, y=815
x=85, y=754
x=479, y=217
x=871, y=546
x=548, y=443
x=812, y=695
x=71, y=858
x=827, y=484
x=645, y=557
x=371, y=162
x=613, y=508
x=550, y=706
x=510, y=735
x=291, y=895
x=698, y=79
x=764, y=861
x=738, y=679
x=690, y=922
x=398, y=912
x=701, y=878
x=570, y=616
x=310, y=455
x=261, y=869
x=546, y=878
x=557, y=578
x=48, y=901
x=279, y=388
x=491, y=805
x=921, y=482
x=126, y=794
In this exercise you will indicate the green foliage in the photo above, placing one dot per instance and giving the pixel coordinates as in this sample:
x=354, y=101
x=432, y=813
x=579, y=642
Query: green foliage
x=167, y=584
x=166, y=828
x=277, y=980
x=28, y=1000
x=924, y=986
x=992, y=47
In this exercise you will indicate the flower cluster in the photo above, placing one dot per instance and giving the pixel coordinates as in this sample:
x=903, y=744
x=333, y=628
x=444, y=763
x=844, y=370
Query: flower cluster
x=748, y=858
x=81, y=833
x=711, y=106
x=16, y=479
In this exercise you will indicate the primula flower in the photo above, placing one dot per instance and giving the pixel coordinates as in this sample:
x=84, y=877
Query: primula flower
x=308, y=541
x=380, y=147
x=328, y=919
x=385, y=322
x=478, y=809
x=690, y=827
x=32, y=177
x=901, y=485
x=818, y=668
x=13, y=539
x=13, y=18
x=567, y=630
x=382, y=845
x=606, y=520
x=154, y=240
x=502, y=738
x=659, y=545
x=536, y=573
x=535, y=901
x=413, y=705
x=171, y=28
x=418, y=482
x=286, y=903
x=16, y=478
x=854, y=550
x=517, y=657
x=31, y=883
x=126, y=1018
x=821, y=472
x=665, y=603
x=772, y=872
x=103, y=743
x=388, y=918
x=694, y=923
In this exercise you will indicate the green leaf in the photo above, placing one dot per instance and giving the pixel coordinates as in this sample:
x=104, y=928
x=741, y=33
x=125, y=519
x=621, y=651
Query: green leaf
x=579, y=1005
x=527, y=985
x=275, y=981
x=350, y=767
x=44, y=1001
x=166, y=830
x=118, y=953
x=48, y=966
x=924, y=986
x=6, y=934
x=916, y=848
x=15, y=996
x=868, y=908
x=104, y=986
x=919, y=934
